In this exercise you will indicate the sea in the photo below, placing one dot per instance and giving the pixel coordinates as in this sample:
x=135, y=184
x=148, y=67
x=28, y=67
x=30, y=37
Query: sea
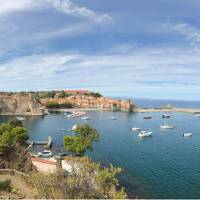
x=166, y=165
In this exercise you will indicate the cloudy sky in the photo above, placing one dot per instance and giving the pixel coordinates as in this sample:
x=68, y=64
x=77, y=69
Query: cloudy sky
x=137, y=48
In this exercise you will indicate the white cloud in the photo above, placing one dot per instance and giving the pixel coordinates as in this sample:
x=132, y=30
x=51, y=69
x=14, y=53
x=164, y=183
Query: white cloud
x=65, y=6
x=191, y=33
x=70, y=8
x=164, y=71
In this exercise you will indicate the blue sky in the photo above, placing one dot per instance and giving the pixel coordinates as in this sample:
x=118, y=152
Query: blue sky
x=137, y=48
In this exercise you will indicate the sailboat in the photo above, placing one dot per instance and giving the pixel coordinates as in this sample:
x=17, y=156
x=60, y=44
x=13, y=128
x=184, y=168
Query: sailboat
x=166, y=126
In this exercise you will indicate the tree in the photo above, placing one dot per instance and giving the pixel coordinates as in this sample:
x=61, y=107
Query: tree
x=11, y=135
x=83, y=139
x=94, y=94
x=88, y=181
x=62, y=94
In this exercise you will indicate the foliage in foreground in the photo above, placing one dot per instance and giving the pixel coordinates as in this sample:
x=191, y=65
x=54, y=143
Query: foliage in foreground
x=87, y=181
x=5, y=185
x=83, y=139
x=12, y=134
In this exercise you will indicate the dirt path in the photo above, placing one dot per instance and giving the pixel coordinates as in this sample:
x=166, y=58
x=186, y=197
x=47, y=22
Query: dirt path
x=20, y=184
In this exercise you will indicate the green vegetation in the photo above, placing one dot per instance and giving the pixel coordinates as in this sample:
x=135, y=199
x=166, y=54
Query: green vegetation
x=94, y=94
x=83, y=140
x=12, y=134
x=90, y=181
x=5, y=185
x=55, y=105
x=63, y=94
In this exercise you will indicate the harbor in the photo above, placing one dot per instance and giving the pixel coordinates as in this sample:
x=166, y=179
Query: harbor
x=140, y=157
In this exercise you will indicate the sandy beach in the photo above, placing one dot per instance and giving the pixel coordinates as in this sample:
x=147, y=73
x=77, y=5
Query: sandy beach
x=184, y=110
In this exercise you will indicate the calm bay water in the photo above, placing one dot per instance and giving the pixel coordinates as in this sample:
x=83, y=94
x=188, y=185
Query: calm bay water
x=163, y=166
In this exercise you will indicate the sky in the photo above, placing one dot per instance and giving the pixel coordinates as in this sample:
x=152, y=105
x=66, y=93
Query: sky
x=132, y=48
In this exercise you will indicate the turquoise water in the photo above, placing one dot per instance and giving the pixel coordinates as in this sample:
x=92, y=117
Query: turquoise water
x=163, y=166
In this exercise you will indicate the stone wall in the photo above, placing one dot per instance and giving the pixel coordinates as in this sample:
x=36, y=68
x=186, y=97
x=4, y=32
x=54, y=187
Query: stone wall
x=19, y=104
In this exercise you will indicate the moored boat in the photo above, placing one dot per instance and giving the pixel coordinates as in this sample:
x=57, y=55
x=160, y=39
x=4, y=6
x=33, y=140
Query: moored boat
x=21, y=118
x=187, y=135
x=112, y=117
x=63, y=129
x=145, y=134
x=147, y=117
x=166, y=116
x=166, y=126
x=85, y=118
x=135, y=129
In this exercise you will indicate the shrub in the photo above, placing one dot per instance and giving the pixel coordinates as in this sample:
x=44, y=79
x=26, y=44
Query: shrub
x=55, y=105
x=5, y=186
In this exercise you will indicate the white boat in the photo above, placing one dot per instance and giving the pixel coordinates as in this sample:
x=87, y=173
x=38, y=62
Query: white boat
x=166, y=126
x=135, y=129
x=63, y=129
x=145, y=134
x=112, y=117
x=187, y=135
x=21, y=118
x=74, y=127
x=197, y=115
x=85, y=118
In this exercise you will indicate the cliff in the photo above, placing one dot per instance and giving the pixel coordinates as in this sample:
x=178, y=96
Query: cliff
x=20, y=104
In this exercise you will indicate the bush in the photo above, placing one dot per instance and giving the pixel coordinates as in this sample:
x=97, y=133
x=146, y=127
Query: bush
x=5, y=186
x=55, y=105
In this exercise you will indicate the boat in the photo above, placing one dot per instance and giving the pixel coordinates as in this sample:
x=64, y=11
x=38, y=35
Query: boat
x=74, y=127
x=166, y=116
x=187, y=135
x=145, y=134
x=135, y=129
x=85, y=118
x=112, y=117
x=166, y=126
x=45, y=154
x=21, y=118
x=147, y=117
x=62, y=129
x=197, y=115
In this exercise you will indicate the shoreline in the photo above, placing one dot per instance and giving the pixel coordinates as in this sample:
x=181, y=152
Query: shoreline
x=183, y=110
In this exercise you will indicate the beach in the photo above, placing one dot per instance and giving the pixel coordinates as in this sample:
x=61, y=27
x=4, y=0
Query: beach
x=183, y=110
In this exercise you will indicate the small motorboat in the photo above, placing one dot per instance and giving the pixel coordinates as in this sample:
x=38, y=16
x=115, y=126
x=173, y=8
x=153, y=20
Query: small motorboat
x=63, y=129
x=112, y=117
x=85, y=118
x=197, y=115
x=147, y=117
x=135, y=129
x=21, y=118
x=187, y=135
x=145, y=134
x=166, y=126
x=74, y=127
